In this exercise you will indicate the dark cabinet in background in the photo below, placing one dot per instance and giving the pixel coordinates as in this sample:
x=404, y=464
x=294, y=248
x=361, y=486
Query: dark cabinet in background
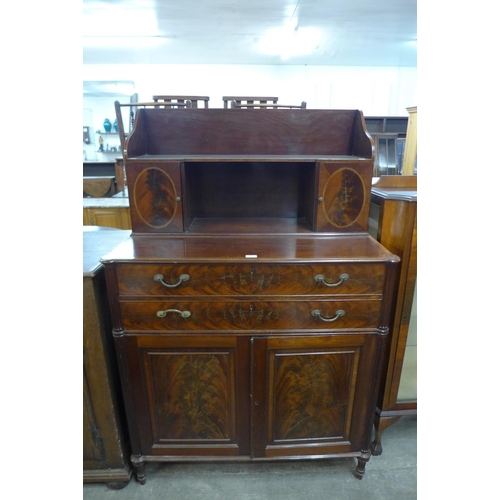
x=389, y=134
x=105, y=444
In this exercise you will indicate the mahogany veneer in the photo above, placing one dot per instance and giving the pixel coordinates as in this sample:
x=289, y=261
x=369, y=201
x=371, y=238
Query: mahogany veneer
x=250, y=305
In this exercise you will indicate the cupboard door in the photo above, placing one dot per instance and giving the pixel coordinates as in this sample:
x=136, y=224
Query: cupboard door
x=310, y=394
x=192, y=397
x=155, y=197
x=343, y=196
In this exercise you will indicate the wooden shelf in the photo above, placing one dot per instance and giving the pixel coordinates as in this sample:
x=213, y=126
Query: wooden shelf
x=249, y=226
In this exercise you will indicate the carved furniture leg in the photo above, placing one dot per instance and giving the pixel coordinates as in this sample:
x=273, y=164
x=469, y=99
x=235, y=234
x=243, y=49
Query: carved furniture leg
x=362, y=460
x=381, y=424
x=139, y=468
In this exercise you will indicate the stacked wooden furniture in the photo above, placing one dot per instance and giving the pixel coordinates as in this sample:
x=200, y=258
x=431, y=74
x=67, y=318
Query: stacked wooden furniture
x=393, y=221
x=245, y=100
x=99, y=186
x=302, y=105
x=174, y=100
x=250, y=305
x=106, y=453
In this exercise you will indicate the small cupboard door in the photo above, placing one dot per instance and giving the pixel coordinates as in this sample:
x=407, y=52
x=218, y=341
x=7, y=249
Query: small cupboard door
x=192, y=395
x=310, y=394
x=155, y=197
x=344, y=196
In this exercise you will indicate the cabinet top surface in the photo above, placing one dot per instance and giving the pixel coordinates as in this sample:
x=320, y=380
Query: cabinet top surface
x=122, y=202
x=395, y=187
x=251, y=248
x=96, y=242
x=243, y=158
x=396, y=194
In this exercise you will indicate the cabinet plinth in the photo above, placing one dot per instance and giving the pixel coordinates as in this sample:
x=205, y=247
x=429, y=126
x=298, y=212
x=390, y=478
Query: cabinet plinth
x=250, y=305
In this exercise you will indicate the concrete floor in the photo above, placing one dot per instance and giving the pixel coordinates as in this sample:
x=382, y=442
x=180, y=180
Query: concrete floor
x=390, y=476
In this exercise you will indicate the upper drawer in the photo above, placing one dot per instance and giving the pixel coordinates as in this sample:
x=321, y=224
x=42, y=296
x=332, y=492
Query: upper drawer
x=258, y=279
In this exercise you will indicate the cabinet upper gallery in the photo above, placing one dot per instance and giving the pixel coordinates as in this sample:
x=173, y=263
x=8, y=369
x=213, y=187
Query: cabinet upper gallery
x=235, y=170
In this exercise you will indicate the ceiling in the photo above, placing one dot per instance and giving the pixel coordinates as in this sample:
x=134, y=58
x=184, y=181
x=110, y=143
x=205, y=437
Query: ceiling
x=278, y=32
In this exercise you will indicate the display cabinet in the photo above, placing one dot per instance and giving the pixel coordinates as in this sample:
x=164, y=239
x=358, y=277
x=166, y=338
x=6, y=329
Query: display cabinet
x=393, y=221
x=389, y=134
x=250, y=305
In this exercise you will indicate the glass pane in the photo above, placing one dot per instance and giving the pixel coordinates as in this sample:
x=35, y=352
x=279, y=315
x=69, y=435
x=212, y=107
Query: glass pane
x=382, y=156
x=391, y=156
x=401, y=152
x=408, y=383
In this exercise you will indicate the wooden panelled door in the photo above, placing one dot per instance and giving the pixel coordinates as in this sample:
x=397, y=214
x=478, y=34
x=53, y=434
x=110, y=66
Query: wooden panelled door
x=306, y=392
x=190, y=399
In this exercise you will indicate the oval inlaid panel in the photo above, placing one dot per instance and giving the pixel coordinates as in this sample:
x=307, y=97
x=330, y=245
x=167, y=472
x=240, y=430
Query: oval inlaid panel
x=343, y=197
x=155, y=197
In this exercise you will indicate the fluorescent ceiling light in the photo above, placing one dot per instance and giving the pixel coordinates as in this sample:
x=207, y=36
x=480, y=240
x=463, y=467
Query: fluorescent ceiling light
x=290, y=41
x=108, y=18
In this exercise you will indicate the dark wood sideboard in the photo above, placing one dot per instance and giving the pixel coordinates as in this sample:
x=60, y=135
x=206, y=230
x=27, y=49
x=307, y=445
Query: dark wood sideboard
x=250, y=306
x=106, y=452
x=393, y=221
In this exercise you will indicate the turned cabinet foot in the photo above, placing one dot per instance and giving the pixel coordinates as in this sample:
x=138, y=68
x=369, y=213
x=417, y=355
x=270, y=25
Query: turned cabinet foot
x=139, y=467
x=381, y=424
x=362, y=460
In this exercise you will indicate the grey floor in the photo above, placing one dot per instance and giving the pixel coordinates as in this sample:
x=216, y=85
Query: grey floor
x=391, y=475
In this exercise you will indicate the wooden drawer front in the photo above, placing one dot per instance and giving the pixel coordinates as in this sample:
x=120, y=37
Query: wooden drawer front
x=249, y=279
x=247, y=315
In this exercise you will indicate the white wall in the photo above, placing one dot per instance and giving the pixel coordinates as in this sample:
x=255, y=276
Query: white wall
x=376, y=91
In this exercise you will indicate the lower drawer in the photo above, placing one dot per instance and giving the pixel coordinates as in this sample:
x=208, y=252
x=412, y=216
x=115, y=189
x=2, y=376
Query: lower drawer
x=250, y=315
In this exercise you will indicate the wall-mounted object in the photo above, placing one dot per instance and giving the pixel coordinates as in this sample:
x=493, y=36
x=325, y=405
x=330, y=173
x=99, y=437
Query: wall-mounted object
x=86, y=135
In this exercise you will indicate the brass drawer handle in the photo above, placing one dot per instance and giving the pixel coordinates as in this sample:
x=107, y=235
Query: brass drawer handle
x=184, y=314
x=182, y=278
x=321, y=279
x=317, y=314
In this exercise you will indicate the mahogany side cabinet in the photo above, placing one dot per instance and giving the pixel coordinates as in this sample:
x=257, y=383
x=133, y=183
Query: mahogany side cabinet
x=393, y=221
x=250, y=305
x=106, y=451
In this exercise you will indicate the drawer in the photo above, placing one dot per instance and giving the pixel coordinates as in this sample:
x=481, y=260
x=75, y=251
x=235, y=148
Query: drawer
x=258, y=279
x=247, y=315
